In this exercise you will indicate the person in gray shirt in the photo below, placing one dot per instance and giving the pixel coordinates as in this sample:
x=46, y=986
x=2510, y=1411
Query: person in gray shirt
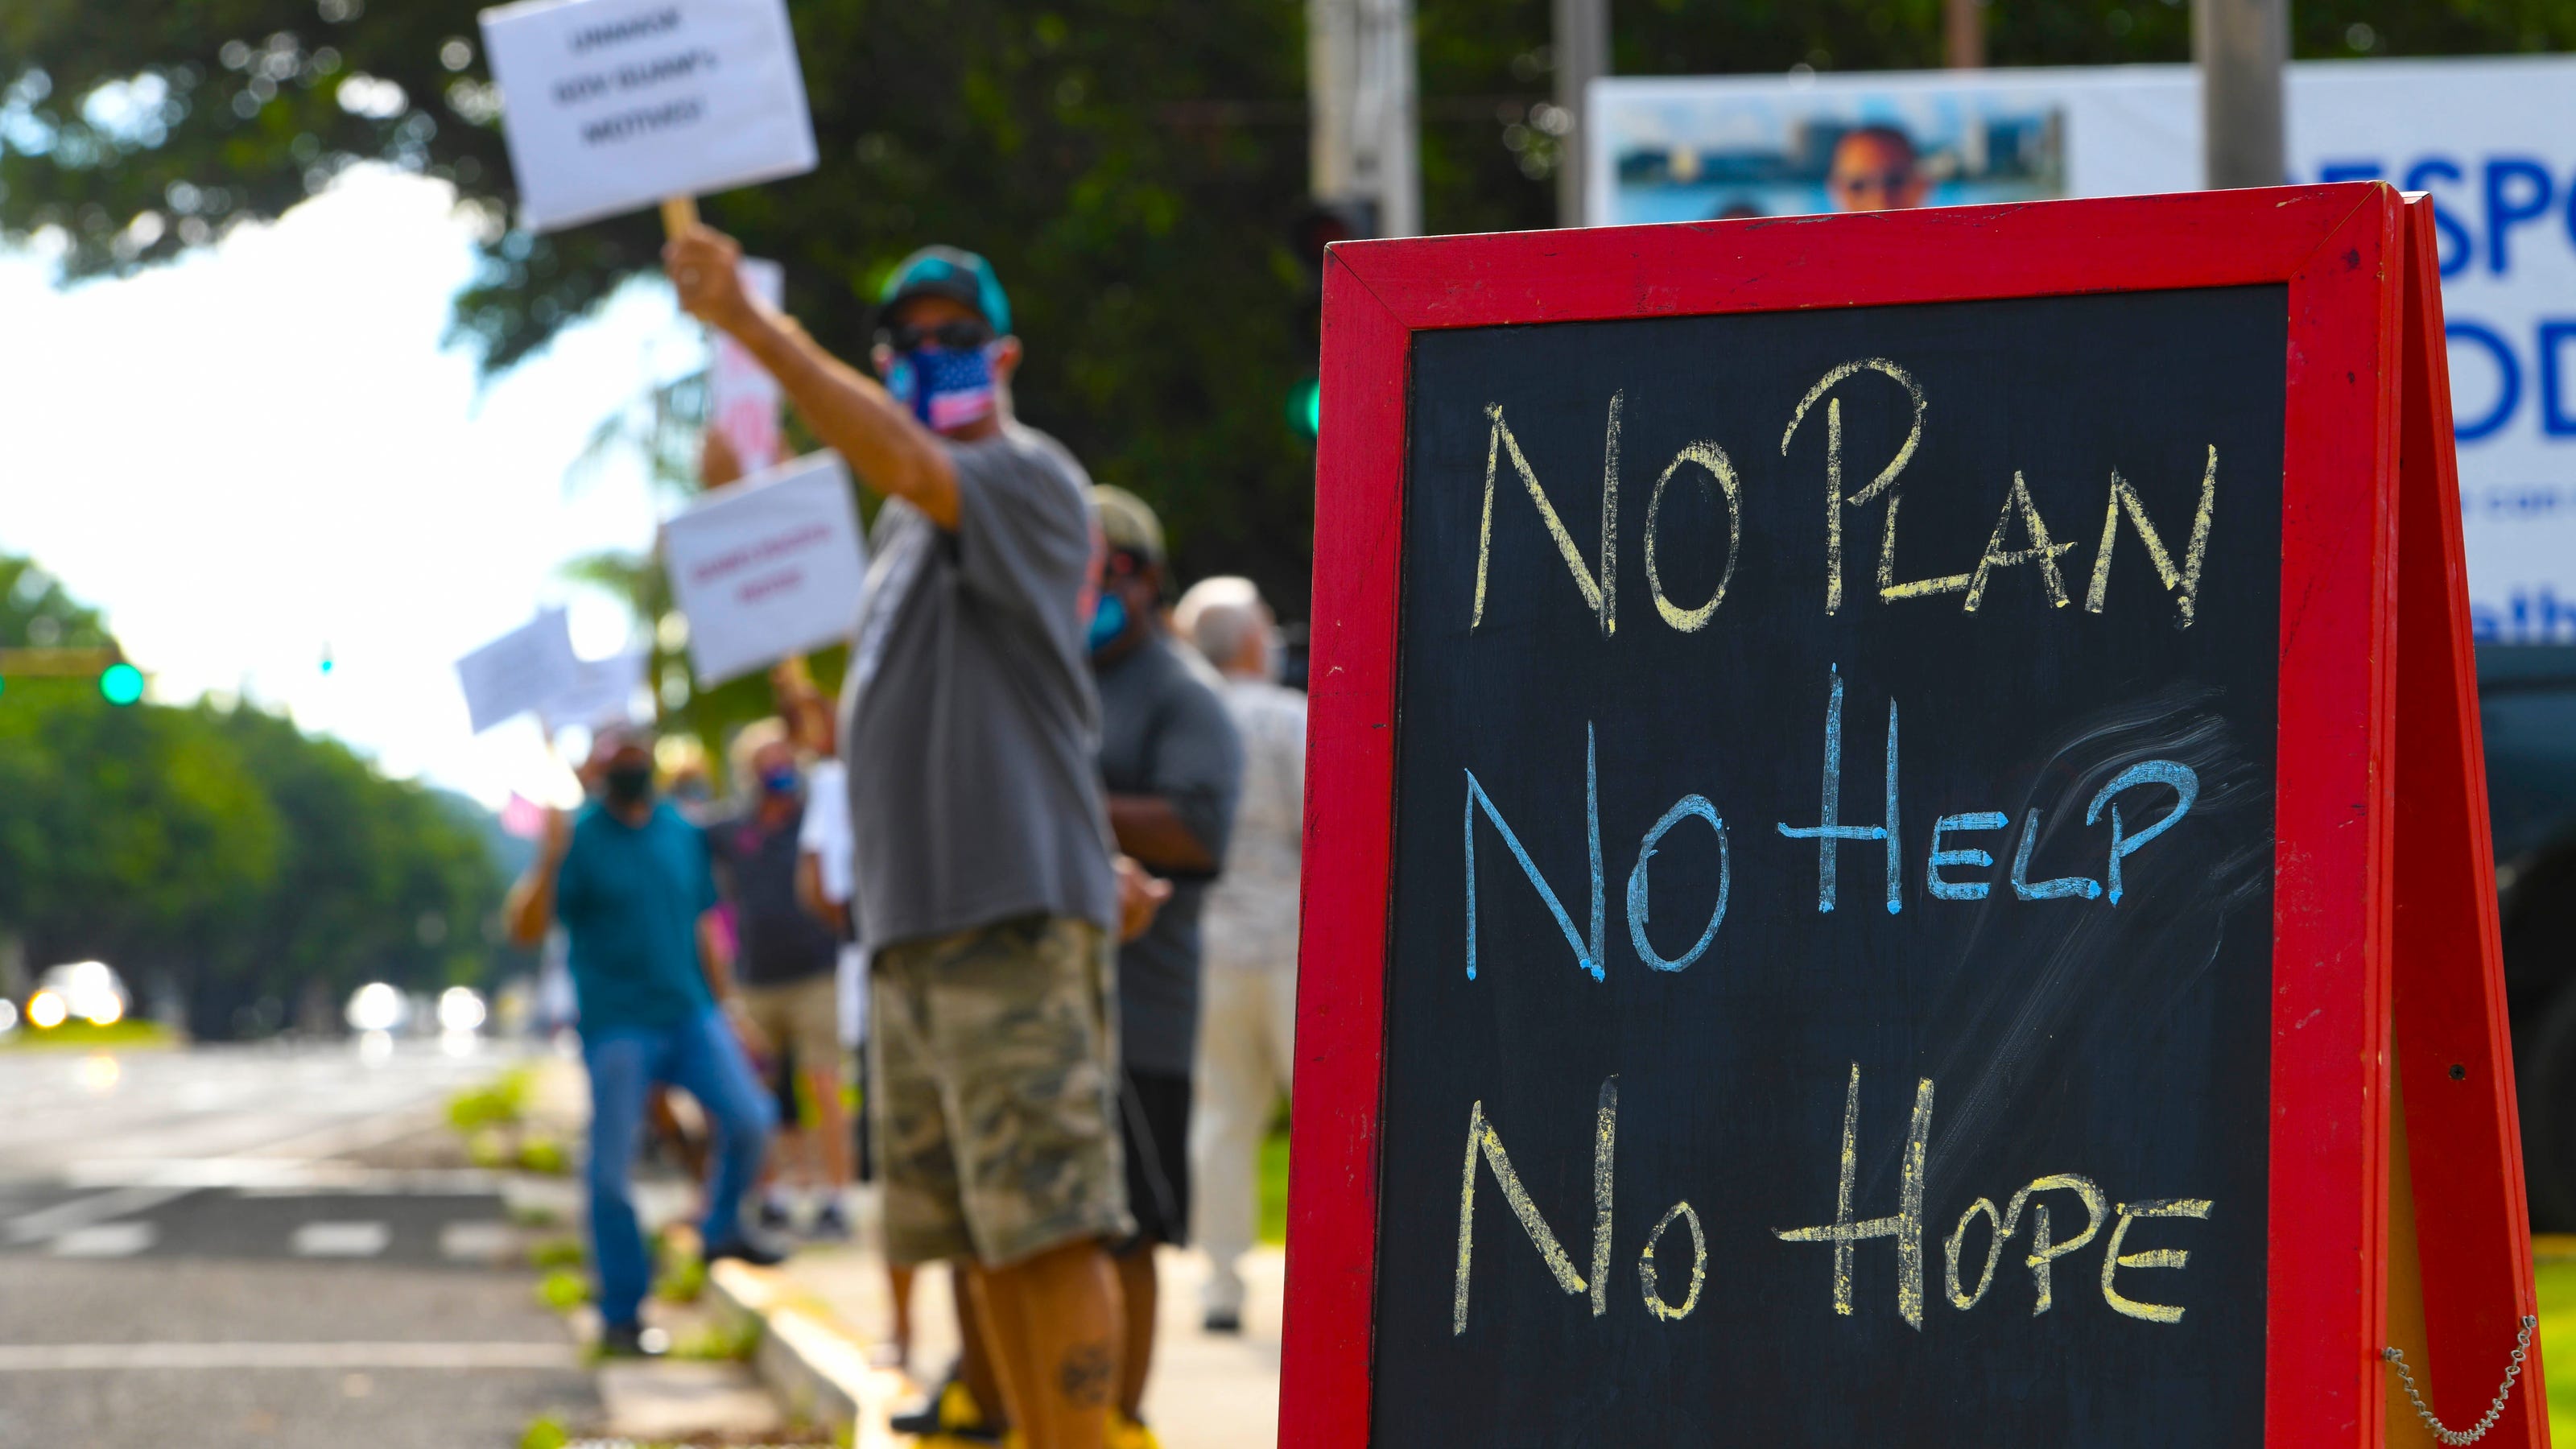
x=1174, y=767
x=985, y=886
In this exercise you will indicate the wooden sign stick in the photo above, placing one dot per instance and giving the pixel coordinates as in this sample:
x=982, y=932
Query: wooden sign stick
x=679, y=213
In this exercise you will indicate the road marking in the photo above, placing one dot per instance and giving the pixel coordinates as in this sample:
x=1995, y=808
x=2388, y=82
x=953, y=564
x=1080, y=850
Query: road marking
x=80, y=1212
x=104, y=1240
x=77, y=1357
x=341, y=1240
x=476, y=1242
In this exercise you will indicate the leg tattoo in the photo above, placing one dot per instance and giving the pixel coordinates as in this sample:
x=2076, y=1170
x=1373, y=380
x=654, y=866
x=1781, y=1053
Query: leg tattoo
x=1089, y=1372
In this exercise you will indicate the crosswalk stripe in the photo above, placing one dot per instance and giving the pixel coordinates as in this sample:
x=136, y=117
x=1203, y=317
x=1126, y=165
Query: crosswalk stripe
x=104, y=1240
x=53, y=1357
x=341, y=1240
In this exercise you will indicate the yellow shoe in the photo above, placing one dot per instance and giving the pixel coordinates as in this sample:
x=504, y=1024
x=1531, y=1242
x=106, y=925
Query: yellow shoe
x=1126, y=1433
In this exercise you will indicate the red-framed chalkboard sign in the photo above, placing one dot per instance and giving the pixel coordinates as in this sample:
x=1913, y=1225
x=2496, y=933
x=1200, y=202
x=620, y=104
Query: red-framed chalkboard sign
x=2043, y=889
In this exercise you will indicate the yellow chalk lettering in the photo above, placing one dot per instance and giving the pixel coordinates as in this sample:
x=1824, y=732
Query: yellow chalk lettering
x=1906, y=1226
x=1601, y=595
x=1884, y=484
x=1994, y=1252
x=2018, y=503
x=2043, y=1251
x=1655, y=1303
x=1713, y=459
x=1483, y=1141
x=2183, y=582
x=2113, y=1260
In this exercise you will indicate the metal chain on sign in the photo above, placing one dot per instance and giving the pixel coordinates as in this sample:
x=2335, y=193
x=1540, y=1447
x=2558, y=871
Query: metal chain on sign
x=2495, y=1411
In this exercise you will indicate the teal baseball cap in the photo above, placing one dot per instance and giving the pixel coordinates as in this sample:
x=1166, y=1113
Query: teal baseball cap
x=952, y=272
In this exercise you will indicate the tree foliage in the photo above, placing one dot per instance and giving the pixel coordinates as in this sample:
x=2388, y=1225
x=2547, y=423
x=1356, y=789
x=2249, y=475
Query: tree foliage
x=1129, y=165
x=220, y=851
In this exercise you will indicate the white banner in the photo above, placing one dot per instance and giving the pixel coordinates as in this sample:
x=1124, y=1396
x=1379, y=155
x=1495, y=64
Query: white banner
x=2493, y=140
x=608, y=106
x=742, y=398
x=518, y=672
x=602, y=692
x=768, y=567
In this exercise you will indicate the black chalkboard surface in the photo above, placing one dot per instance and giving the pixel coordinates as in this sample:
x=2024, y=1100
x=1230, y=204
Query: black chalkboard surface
x=2040, y=997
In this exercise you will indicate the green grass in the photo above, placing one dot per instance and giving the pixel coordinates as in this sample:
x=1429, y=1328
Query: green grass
x=497, y=1103
x=1274, y=1188
x=2557, y=1284
x=563, y=1252
x=683, y=1275
x=126, y=1035
x=563, y=1290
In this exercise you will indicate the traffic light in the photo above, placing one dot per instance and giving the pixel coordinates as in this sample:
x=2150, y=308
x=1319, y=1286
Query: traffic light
x=120, y=683
x=1318, y=226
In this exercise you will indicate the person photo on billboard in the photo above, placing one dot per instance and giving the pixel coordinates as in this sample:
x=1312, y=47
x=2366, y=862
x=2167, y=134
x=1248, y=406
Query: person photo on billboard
x=1875, y=168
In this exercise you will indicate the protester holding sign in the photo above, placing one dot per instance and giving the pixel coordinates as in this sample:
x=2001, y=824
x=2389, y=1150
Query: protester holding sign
x=630, y=879
x=984, y=882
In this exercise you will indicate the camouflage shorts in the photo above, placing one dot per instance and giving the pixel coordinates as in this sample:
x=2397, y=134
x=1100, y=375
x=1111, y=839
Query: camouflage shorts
x=993, y=1091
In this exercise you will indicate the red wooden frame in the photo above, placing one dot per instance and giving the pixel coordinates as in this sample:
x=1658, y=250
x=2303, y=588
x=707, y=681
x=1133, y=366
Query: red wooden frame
x=2339, y=249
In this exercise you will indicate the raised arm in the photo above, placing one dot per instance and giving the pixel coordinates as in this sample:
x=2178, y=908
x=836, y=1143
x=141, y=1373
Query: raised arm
x=886, y=446
x=530, y=907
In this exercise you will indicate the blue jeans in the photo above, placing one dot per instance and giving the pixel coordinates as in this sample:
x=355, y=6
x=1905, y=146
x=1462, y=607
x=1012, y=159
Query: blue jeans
x=699, y=1057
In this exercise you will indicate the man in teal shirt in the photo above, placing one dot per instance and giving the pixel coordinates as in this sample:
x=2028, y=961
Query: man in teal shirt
x=631, y=882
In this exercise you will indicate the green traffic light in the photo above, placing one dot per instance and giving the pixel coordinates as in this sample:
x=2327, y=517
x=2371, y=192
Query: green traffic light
x=120, y=683
x=1306, y=407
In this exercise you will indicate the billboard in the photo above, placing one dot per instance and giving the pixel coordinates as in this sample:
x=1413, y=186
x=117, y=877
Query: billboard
x=2493, y=140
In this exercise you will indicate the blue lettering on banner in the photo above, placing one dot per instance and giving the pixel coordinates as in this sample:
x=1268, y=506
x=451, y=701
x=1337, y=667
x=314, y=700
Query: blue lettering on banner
x=2503, y=213
x=2508, y=380
x=2555, y=418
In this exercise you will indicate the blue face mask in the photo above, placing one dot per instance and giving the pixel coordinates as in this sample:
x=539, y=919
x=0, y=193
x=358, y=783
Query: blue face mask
x=1108, y=622
x=779, y=782
x=946, y=388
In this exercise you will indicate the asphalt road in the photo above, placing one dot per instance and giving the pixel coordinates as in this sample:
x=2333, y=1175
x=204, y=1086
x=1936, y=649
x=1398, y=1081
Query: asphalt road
x=193, y=1250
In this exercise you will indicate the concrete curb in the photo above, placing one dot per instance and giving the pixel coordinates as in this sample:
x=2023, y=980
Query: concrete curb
x=816, y=1365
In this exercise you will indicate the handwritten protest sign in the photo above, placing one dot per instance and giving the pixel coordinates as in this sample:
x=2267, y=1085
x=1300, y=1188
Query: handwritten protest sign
x=612, y=105
x=520, y=671
x=742, y=398
x=601, y=692
x=767, y=568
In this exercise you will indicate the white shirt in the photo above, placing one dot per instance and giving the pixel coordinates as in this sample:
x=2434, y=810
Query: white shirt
x=1251, y=914
x=826, y=833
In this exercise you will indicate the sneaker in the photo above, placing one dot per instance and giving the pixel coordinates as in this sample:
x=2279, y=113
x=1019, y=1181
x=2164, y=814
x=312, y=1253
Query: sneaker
x=774, y=1214
x=1222, y=1320
x=632, y=1340
x=829, y=1224
x=743, y=1247
x=1126, y=1433
x=951, y=1411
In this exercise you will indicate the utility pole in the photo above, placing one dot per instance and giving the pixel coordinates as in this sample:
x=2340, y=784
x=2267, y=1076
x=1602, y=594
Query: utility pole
x=2242, y=48
x=1582, y=52
x=1963, y=34
x=1364, y=143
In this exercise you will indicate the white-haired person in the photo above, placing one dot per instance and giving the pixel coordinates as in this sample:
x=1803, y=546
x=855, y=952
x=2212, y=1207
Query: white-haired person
x=1248, y=1004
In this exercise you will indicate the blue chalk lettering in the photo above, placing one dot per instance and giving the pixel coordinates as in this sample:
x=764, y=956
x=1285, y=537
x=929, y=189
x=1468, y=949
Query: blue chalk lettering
x=2503, y=213
x=1683, y=809
x=2046, y=890
x=1829, y=831
x=1952, y=890
x=1589, y=958
x=2555, y=419
x=2508, y=380
x=2453, y=244
x=2185, y=783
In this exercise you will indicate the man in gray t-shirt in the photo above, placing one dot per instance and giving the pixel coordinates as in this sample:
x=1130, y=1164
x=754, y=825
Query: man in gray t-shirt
x=985, y=885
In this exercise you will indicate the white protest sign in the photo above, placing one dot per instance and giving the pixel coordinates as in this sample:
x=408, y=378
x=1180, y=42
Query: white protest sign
x=611, y=105
x=518, y=672
x=602, y=692
x=2493, y=139
x=742, y=398
x=768, y=567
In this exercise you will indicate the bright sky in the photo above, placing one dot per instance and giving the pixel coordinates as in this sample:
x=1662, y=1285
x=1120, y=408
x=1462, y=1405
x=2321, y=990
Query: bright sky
x=262, y=453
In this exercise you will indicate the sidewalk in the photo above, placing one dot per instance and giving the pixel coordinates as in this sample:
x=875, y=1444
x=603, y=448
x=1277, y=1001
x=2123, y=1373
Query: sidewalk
x=1207, y=1391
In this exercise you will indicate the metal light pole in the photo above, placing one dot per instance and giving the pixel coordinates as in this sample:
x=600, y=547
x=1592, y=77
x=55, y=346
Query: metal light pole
x=1582, y=51
x=1364, y=143
x=2241, y=47
x=1963, y=34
